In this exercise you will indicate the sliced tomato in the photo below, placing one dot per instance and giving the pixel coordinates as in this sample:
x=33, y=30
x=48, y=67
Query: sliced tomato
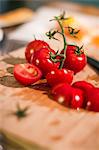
x=27, y=74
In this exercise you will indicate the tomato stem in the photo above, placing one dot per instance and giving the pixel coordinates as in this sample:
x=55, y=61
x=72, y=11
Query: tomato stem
x=64, y=40
x=53, y=57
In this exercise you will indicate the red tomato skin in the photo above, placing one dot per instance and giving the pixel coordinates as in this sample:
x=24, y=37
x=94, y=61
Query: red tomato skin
x=23, y=76
x=93, y=100
x=34, y=46
x=42, y=60
x=57, y=76
x=62, y=93
x=85, y=87
x=77, y=98
x=74, y=61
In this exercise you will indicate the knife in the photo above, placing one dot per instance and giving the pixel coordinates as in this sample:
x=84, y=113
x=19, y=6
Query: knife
x=93, y=62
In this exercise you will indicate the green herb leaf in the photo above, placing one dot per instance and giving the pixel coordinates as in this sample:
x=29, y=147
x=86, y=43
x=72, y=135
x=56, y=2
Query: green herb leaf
x=73, y=31
x=21, y=112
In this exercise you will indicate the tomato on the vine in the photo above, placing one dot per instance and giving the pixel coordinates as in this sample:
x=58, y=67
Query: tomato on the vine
x=26, y=74
x=75, y=58
x=44, y=59
x=57, y=76
x=34, y=46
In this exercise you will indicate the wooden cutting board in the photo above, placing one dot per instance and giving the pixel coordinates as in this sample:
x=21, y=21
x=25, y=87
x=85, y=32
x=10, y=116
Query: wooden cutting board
x=48, y=125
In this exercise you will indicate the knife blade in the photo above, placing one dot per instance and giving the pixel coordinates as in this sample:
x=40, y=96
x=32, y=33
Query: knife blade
x=93, y=62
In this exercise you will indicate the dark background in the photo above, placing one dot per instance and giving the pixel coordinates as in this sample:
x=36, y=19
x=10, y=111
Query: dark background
x=6, y=5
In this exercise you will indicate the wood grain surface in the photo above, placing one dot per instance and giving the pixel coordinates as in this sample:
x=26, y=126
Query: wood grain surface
x=47, y=124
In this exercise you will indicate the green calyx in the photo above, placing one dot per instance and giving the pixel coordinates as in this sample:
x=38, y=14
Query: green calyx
x=53, y=57
x=79, y=50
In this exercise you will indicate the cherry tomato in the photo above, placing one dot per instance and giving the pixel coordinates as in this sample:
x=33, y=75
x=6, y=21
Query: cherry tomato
x=59, y=76
x=62, y=93
x=27, y=73
x=42, y=59
x=77, y=98
x=75, y=58
x=85, y=86
x=34, y=46
x=93, y=99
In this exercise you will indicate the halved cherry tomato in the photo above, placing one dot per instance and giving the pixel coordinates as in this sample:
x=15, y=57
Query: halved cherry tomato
x=57, y=76
x=34, y=46
x=77, y=98
x=75, y=58
x=42, y=59
x=62, y=93
x=27, y=73
x=93, y=100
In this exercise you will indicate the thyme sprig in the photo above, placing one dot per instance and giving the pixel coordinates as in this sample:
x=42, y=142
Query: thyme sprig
x=51, y=34
x=73, y=31
x=20, y=112
x=61, y=17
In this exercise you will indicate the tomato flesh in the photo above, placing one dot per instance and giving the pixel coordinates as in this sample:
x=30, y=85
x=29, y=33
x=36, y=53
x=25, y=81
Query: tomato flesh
x=26, y=73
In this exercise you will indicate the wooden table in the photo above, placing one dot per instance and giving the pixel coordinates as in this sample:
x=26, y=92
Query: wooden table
x=48, y=125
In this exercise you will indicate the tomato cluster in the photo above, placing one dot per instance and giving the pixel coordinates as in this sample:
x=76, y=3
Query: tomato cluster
x=78, y=95
x=58, y=69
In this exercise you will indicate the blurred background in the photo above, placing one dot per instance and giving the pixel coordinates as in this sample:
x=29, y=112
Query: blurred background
x=6, y=5
x=21, y=19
